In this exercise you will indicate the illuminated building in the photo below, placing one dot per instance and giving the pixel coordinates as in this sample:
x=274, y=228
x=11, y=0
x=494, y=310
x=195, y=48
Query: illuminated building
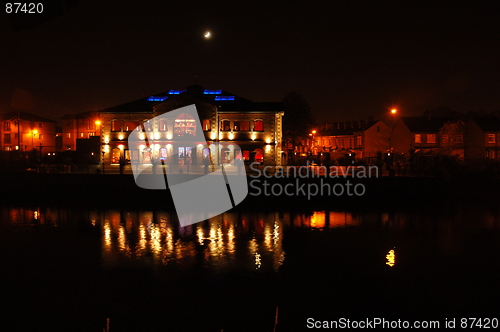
x=256, y=127
x=33, y=133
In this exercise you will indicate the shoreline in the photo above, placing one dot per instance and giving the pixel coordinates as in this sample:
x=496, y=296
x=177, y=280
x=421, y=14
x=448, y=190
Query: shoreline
x=114, y=190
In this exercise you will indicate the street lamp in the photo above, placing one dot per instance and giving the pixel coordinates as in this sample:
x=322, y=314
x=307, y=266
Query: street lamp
x=98, y=128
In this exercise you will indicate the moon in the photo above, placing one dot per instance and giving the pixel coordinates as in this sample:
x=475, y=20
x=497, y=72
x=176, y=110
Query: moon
x=207, y=34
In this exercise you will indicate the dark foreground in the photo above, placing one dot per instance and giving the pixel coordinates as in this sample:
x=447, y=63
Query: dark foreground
x=74, y=270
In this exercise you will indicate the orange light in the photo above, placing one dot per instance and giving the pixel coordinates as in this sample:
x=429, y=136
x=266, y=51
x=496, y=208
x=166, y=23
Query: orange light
x=35, y=132
x=97, y=122
x=314, y=131
x=394, y=111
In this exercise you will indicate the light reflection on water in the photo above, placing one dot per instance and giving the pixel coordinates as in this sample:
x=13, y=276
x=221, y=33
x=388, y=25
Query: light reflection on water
x=235, y=241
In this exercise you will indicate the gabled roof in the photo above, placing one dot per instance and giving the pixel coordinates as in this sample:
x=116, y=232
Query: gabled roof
x=487, y=123
x=226, y=101
x=336, y=132
x=24, y=116
x=418, y=124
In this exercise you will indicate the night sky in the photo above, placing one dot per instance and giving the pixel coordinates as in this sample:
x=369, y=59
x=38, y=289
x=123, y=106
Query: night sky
x=349, y=59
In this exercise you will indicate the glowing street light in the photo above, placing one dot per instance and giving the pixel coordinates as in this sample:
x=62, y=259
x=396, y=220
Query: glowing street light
x=394, y=111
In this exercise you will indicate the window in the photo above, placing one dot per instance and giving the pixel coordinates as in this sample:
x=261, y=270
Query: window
x=163, y=125
x=115, y=156
x=246, y=154
x=206, y=125
x=458, y=139
x=259, y=155
x=491, y=138
x=16, y=136
x=163, y=154
x=68, y=135
x=40, y=136
x=185, y=155
x=130, y=125
x=242, y=125
x=8, y=148
x=6, y=139
x=6, y=126
x=91, y=134
x=40, y=125
x=378, y=128
x=418, y=138
x=135, y=155
x=116, y=125
x=82, y=135
x=431, y=138
x=258, y=125
x=185, y=125
x=225, y=157
x=148, y=125
x=225, y=125
x=445, y=139
x=359, y=140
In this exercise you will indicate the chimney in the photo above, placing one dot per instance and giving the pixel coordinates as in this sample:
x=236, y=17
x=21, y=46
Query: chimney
x=348, y=125
x=355, y=125
x=362, y=124
x=328, y=126
x=335, y=125
x=341, y=125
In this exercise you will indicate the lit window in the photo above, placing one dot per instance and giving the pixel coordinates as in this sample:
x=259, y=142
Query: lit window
x=148, y=125
x=6, y=126
x=206, y=125
x=185, y=125
x=491, y=138
x=163, y=125
x=359, y=140
x=225, y=125
x=221, y=98
x=68, y=135
x=445, y=139
x=157, y=98
x=458, y=139
x=91, y=134
x=116, y=125
x=130, y=125
x=258, y=125
x=242, y=125
x=6, y=139
x=431, y=138
x=212, y=92
x=259, y=155
x=82, y=135
x=418, y=138
x=176, y=92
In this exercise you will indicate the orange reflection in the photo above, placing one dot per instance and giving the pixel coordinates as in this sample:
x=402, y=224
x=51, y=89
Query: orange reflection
x=318, y=219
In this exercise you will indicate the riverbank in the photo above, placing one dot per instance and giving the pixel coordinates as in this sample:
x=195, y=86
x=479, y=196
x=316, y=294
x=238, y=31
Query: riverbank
x=264, y=193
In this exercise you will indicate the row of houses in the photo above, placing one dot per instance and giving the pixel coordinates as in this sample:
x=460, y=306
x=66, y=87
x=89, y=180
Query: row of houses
x=245, y=129
x=466, y=138
x=248, y=130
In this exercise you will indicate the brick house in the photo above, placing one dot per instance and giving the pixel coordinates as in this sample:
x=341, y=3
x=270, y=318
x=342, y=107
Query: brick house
x=27, y=132
x=483, y=138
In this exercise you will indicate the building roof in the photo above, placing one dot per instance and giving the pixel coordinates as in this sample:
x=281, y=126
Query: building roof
x=488, y=123
x=419, y=124
x=24, y=116
x=226, y=101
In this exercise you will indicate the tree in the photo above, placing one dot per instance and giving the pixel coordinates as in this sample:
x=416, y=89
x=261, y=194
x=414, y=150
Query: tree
x=298, y=119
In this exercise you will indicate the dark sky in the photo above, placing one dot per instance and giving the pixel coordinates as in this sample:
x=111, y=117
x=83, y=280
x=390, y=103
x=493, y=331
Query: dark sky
x=349, y=59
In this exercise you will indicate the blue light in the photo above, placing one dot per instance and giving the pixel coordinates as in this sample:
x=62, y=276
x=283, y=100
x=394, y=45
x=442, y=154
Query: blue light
x=157, y=98
x=218, y=98
x=212, y=92
x=176, y=92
